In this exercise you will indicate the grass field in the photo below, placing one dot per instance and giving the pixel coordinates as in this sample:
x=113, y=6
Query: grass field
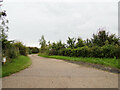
x=111, y=62
x=16, y=65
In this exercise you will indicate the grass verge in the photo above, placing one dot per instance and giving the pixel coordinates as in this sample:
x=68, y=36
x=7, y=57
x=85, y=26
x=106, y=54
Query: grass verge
x=17, y=64
x=109, y=62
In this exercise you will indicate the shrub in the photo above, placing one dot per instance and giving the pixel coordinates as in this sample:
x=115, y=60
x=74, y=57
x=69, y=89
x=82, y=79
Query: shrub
x=21, y=47
x=23, y=50
x=33, y=50
x=107, y=51
x=116, y=52
x=13, y=52
x=96, y=51
x=56, y=48
x=102, y=45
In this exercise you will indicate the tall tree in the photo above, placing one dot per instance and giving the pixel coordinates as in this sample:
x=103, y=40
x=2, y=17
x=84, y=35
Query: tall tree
x=80, y=43
x=42, y=43
x=3, y=31
x=103, y=36
x=3, y=25
x=71, y=42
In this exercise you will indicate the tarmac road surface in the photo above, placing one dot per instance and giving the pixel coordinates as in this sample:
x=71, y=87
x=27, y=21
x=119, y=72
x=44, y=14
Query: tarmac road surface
x=53, y=73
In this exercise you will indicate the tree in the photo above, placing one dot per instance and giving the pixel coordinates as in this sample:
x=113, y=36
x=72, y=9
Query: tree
x=114, y=40
x=71, y=42
x=56, y=47
x=103, y=36
x=88, y=42
x=42, y=43
x=32, y=50
x=100, y=38
x=21, y=47
x=79, y=43
x=3, y=26
x=3, y=32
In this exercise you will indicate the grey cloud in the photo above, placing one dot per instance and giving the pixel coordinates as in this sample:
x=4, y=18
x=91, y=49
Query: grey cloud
x=57, y=21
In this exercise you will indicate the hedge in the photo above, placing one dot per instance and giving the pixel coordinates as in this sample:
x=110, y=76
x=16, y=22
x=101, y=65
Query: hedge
x=106, y=51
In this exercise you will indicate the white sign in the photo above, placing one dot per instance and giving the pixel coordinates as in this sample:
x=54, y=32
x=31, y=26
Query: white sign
x=4, y=59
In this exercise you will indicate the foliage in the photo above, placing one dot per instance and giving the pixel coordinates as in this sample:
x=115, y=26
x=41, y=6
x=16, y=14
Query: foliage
x=100, y=46
x=80, y=43
x=10, y=49
x=107, y=51
x=3, y=31
x=21, y=47
x=56, y=47
x=13, y=49
x=33, y=50
x=3, y=26
x=42, y=43
x=71, y=42
x=103, y=36
x=12, y=52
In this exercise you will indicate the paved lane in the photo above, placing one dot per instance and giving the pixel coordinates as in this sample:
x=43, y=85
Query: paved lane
x=52, y=73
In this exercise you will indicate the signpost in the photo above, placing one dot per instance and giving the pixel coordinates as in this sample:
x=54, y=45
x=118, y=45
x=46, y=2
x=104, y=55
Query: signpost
x=4, y=60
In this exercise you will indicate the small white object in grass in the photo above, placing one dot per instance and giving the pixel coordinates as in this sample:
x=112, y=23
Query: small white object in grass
x=4, y=59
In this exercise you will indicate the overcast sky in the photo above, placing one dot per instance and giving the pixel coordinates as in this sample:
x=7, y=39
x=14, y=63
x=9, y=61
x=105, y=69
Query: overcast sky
x=58, y=19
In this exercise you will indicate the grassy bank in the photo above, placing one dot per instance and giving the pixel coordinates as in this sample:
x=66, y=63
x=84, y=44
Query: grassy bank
x=111, y=62
x=16, y=65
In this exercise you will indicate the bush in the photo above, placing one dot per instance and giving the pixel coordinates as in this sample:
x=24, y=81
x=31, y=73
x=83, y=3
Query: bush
x=96, y=51
x=12, y=52
x=116, y=52
x=107, y=51
x=102, y=45
x=23, y=51
x=33, y=50
x=22, y=48
x=56, y=48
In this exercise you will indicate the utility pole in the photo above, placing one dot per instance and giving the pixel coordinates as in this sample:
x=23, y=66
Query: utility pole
x=0, y=50
x=0, y=6
x=0, y=2
x=118, y=19
x=119, y=41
